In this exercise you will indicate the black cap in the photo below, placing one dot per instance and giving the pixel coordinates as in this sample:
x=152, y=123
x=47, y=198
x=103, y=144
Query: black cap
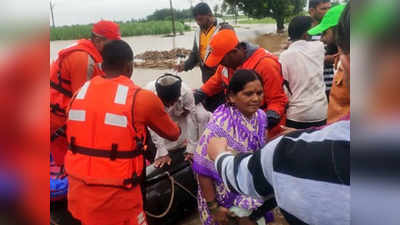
x=201, y=9
x=168, y=87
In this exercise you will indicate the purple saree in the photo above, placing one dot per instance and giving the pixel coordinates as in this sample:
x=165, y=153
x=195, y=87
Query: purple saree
x=243, y=135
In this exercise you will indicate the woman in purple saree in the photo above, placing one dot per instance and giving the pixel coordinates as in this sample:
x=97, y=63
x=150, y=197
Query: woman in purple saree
x=244, y=125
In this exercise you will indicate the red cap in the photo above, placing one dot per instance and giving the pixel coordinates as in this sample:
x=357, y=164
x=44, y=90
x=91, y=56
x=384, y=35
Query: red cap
x=107, y=29
x=222, y=43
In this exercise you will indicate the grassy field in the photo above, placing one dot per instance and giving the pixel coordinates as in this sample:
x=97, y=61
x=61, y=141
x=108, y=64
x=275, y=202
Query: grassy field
x=256, y=21
x=127, y=29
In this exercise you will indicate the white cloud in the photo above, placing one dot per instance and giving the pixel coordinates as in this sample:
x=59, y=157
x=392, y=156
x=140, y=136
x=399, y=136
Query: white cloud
x=68, y=12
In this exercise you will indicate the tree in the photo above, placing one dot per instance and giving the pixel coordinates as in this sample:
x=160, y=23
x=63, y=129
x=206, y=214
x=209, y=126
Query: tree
x=279, y=10
x=165, y=14
x=216, y=9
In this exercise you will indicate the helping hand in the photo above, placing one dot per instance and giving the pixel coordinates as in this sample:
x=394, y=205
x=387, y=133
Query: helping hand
x=160, y=162
x=273, y=118
x=199, y=96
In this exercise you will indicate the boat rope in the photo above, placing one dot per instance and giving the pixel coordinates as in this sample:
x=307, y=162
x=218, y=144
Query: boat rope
x=171, y=178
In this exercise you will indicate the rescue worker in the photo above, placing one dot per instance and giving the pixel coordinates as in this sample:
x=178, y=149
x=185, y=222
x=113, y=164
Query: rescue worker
x=179, y=103
x=106, y=132
x=208, y=27
x=73, y=67
x=231, y=55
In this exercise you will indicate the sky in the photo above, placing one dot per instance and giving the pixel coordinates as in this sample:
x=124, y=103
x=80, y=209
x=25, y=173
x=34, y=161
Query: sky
x=68, y=12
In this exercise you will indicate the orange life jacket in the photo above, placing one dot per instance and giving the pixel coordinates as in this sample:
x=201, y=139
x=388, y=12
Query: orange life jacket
x=60, y=84
x=105, y=148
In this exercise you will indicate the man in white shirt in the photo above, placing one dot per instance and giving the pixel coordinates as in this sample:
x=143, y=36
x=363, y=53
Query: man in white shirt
x=178, y=100
x=302, y=66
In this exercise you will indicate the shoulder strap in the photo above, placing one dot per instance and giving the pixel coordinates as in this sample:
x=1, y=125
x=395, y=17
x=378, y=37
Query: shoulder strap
x=133, y=107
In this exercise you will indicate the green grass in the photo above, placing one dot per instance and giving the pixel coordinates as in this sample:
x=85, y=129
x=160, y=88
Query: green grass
x=127, y=29
x=257, y=21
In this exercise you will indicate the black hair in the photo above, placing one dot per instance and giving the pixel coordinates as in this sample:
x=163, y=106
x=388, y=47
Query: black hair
x=343, y=31
x=116, y=54
x=314, y=3
x=240, y=78
x=201, y=9
x=299, y=26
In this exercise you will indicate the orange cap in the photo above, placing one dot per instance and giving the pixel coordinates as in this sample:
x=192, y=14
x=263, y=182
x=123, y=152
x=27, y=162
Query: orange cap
x=222, y=43
x=107, y=29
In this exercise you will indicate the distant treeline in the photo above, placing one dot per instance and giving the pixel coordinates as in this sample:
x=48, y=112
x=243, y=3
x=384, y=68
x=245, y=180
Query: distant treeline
x=130, y=28
x=165, y=14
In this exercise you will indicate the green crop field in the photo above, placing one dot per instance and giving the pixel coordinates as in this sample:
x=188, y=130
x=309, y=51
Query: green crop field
x=127, y=29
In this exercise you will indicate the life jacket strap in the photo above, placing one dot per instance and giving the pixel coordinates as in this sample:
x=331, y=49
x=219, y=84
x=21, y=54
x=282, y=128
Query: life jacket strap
x=113, y=154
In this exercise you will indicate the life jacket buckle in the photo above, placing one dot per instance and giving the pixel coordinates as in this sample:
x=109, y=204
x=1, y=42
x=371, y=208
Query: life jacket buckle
x=131, y=181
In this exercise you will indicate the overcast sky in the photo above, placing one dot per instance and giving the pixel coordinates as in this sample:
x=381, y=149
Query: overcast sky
x=67, y=12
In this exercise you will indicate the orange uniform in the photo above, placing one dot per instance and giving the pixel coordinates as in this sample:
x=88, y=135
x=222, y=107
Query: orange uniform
x=106, y=129
x=74, y=66
x=269, y=68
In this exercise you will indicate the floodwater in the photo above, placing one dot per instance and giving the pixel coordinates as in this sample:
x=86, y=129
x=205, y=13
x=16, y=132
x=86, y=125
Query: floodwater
x=144, y=43
x=141, y=44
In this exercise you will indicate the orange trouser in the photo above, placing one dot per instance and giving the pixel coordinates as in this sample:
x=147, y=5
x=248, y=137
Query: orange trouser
x=102, y=205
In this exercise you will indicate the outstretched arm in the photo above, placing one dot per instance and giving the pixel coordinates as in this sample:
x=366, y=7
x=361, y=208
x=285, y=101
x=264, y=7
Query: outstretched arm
x=248, y=174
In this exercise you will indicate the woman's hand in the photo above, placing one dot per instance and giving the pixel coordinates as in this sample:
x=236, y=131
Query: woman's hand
x=222, y=215
x=245, y=221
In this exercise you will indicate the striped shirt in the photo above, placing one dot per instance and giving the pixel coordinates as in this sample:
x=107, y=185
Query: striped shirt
x=329, y=72
x=308, y=171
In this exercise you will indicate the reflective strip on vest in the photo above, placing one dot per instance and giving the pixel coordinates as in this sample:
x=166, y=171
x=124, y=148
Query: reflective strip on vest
x=116, y=120
x=77, y=115
x=82, y=93
x=121, y=95
x=225, y=72
x=140, y=218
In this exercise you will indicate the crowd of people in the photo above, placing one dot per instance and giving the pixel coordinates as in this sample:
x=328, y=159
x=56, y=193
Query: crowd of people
x=261, y=132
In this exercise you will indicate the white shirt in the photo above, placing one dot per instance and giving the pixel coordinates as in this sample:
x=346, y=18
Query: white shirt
x=302, y=66
x=191, y=125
